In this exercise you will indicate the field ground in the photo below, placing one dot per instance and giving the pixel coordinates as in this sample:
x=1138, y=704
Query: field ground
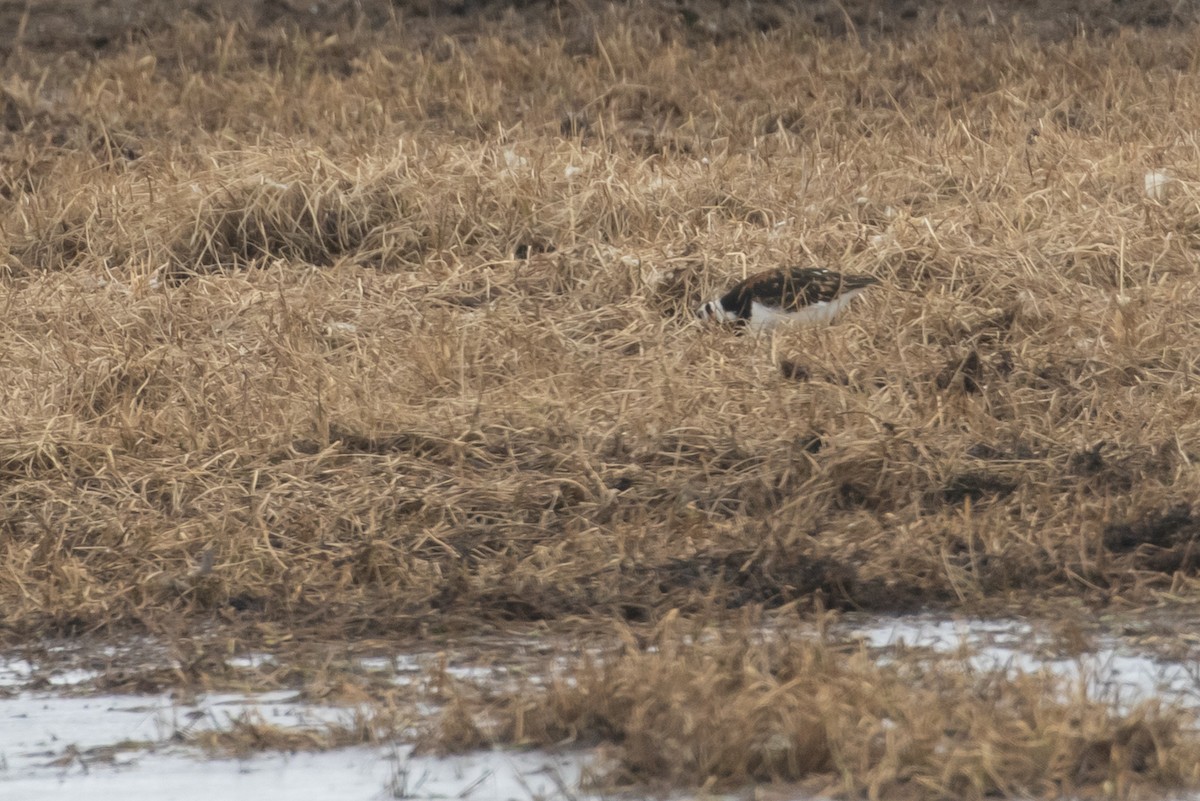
x=365, y=324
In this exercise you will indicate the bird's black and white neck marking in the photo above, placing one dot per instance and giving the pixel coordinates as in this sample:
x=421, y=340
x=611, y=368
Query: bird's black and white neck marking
x=798, y=295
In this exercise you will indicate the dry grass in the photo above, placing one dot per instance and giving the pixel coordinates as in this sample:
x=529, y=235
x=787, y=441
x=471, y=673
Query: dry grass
x=248, y=733
x=733, y=709
x=372, y=333
x=348, y=331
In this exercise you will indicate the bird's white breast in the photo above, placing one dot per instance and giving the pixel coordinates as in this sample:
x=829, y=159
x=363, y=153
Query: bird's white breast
x=764, y=318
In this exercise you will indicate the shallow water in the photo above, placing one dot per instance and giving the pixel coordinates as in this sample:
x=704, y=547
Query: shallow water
x=347, y=774
x=1121, y=670
x=123, y=747
x=60, y=740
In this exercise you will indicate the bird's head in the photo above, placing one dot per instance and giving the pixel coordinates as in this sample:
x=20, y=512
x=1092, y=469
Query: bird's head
x=713, y=310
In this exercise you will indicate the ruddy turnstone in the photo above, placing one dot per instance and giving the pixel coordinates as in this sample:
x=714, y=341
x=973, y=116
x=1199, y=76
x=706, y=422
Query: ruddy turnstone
x=803, y=295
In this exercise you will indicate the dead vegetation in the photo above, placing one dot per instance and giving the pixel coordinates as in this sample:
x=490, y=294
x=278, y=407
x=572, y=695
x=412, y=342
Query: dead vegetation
x=365, y=333
x=247, y=733
x=727, y=710
x=381, y=347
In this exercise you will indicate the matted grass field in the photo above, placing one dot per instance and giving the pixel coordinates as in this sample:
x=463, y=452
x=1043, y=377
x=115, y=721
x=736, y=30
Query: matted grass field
x=381, y=332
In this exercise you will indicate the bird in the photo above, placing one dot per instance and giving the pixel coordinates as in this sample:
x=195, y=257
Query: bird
x=797, y=295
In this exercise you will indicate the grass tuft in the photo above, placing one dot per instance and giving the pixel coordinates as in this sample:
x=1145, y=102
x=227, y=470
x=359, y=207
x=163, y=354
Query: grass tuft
x=731, y=709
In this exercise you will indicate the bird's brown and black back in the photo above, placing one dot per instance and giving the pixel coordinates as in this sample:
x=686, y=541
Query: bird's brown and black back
x=791, y=289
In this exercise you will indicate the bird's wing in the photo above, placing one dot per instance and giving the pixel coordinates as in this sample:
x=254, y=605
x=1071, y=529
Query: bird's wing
x=792, y=288
x=795, y=288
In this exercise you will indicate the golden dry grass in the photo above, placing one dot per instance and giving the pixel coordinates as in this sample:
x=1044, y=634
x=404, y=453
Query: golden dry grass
x=727, y=709
x=348, y=331
x=249, y=733
x=263, y=312
x=374, y=333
